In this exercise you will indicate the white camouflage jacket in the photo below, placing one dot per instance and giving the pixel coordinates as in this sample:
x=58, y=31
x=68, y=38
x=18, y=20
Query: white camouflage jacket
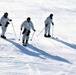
x=48, y=21
x=27, y=25
x=3, y=21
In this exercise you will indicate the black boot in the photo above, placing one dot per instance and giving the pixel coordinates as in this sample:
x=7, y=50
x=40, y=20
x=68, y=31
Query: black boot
x=2, y=36
x=26, y=41
x=23, y=41
x=45, y=35
x=49, y=35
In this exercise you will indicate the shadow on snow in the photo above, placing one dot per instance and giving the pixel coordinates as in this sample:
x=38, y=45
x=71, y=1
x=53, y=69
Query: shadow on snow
x=38, y=52
x=66, y=43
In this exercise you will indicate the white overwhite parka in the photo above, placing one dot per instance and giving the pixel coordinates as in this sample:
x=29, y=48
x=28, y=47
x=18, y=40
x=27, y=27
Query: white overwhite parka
x=48, y=22
x=28, y=26
x=3, y=22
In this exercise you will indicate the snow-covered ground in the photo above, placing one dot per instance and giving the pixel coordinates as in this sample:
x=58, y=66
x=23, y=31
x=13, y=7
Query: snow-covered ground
x=42, y=56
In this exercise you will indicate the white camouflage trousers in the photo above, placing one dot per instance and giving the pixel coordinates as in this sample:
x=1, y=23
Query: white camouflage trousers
x=3, y=30
x=47, y=30
x=25, y=37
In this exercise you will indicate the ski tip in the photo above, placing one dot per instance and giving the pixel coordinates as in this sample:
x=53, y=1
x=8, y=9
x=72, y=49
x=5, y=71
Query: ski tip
x=54, y=37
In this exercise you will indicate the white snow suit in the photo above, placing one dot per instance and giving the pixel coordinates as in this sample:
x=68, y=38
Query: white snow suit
x=3, y=22
x=48, y=22
x=28, y=26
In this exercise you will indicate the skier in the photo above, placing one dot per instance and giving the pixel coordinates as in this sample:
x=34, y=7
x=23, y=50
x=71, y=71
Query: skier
x=4, y=23
x=26, y=26
x=48, y=22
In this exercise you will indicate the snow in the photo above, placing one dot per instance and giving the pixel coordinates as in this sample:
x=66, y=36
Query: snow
x=42, y=56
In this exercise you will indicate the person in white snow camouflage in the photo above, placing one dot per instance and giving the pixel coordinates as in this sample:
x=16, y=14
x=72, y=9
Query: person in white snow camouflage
x=27, y=25
x=4, y=21
x=48, y=22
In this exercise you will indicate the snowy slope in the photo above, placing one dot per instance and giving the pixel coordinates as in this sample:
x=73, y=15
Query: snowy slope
x=42, y=56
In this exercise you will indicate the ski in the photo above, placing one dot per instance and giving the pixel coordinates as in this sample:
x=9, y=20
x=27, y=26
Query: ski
x=11, y=38
x=54, y=37
x=24, y=44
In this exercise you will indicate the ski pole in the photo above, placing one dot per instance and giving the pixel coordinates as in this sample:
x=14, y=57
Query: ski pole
x=20, y=35
x=32, y=36
x=14, y=29
x=40, y=31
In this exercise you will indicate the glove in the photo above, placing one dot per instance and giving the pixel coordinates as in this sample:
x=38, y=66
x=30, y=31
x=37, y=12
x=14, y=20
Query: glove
x=46, y=25
x=52, y=23
x=34, y=30
x=10, y=20
x=7, y=23
x=21, y=28
x=0, y=24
